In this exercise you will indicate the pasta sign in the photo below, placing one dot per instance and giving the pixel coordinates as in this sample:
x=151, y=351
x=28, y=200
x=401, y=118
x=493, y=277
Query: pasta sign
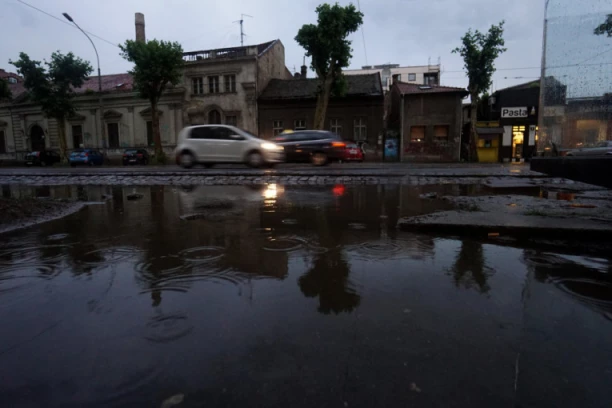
x=521, y=112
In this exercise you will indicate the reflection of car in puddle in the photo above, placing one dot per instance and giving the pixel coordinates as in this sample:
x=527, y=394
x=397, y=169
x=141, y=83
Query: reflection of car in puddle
x=196, y=198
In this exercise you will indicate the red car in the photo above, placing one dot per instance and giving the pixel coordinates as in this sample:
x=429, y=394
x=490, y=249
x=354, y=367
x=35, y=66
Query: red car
x=352, y=152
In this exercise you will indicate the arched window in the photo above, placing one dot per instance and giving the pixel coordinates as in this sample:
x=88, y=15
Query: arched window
x=214, y=117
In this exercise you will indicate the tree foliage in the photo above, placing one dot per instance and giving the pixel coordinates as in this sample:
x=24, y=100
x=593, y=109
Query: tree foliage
x=157, y=64
x=5, y=92
x=330, y=51
x=52, y=87
x=479, y=52
x=605, y=28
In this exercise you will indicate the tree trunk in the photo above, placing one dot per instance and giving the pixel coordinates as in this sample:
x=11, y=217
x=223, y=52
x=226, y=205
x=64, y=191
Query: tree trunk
x=159, y=153
x=472, y=147
x=61, y=130
x=322, y=102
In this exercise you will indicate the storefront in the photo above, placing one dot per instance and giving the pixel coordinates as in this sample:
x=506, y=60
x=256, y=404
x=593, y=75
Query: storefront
x=489, y=141
x=519, y=140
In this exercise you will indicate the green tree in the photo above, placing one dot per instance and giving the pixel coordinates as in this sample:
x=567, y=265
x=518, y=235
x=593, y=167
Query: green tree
x=5, y=92
x=157, y=64
x=53, y=87
x=479, y=52
x=330, y=51
x=605, y=28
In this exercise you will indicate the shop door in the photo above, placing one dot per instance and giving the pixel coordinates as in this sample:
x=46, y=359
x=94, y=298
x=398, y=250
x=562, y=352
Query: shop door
x=518, y=138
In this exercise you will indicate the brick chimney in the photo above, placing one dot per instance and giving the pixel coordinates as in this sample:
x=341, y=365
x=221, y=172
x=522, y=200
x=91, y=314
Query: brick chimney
x=140, y=27
x=303, y=68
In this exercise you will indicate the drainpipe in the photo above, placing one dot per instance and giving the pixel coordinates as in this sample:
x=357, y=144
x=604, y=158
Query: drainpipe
x=542, y=81
x=401, y=152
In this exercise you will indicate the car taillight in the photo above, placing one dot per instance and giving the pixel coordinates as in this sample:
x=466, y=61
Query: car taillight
x=125, y=155
x=338, y=144
x=86, y=154
x=139, y=155
x=37, y=154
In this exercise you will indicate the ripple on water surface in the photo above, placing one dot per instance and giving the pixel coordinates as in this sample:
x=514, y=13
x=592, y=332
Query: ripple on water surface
x=165, y=328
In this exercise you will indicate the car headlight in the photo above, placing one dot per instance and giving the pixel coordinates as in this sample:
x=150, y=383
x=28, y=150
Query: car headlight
x=271, y=146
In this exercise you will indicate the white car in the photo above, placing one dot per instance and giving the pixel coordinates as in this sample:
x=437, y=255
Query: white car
x=603, y=148
x=212, y=144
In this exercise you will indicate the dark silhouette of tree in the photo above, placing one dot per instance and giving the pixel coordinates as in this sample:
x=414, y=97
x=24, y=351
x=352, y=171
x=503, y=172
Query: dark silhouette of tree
x=327, y=44
x=479, y=52
x=605, y=28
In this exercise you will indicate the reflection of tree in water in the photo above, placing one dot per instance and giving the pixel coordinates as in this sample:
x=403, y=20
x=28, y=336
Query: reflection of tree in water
x=329, y=276
x=469, y=270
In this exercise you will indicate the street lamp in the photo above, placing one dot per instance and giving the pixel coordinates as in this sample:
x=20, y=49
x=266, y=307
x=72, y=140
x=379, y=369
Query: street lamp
x=67, y=16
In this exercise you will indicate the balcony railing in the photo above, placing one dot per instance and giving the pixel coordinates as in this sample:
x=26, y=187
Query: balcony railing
x=225, y=53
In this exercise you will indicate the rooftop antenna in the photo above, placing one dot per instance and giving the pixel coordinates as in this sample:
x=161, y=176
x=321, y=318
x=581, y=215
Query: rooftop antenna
x=242, y=34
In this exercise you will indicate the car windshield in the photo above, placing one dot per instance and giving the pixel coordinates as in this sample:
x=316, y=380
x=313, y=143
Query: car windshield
x=131, y=152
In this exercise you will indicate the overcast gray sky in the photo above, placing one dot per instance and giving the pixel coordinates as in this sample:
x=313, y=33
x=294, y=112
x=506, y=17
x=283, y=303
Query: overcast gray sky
x=407, y=32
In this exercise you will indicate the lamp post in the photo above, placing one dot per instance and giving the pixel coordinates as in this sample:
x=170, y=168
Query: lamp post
x=543, y=134
x=101, y=127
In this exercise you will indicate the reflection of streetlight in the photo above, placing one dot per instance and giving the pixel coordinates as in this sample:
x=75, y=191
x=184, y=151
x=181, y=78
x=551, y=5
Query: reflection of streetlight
x=270, y=192
x=67, y=16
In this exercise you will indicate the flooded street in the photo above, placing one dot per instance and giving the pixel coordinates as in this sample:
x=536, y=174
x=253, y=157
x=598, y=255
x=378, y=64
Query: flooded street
x=276, y=296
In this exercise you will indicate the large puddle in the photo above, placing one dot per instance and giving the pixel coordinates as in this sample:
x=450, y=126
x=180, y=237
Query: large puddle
x=279, y=296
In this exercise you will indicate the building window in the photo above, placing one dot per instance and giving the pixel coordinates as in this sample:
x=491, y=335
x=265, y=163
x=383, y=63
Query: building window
x=359, y=129
x=335, y=125
x=214, y=117
x=77, y=136
x=12, y=80
x=277, y=127
x=197, y=85
x=411, y=77
x=417, y=134
x=2, y=142
x=441, y=133
x=231, y=120
x=213, y=84
x=430, y=79
x=299, y=124
x=112, y=129
x=150, y=139
x=230, y=83
x=397, y=77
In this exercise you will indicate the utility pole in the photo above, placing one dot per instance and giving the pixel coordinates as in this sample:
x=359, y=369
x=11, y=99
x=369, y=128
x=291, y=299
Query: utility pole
x=241, y=21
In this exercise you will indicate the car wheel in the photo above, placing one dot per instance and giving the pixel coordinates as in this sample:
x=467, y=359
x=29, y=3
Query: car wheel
x=187, y=160
x=319, y=159
x=43, y=163
x=254, y=159
x=145, y=162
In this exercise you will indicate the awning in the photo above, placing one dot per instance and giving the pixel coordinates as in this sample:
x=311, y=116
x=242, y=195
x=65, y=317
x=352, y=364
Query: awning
x=489, y=130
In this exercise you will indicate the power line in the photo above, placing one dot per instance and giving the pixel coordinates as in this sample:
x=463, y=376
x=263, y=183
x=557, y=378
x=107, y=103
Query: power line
x=550, y=67
x=363, y=35
x=65, y=22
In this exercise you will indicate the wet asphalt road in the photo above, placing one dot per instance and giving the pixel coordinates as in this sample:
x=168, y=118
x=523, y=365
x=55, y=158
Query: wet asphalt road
x=374, y=168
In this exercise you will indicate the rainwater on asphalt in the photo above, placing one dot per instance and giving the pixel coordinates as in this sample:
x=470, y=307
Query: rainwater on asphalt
x=277, y=296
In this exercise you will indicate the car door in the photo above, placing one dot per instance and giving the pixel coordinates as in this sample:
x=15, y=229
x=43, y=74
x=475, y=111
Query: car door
x=289, y=142
x=309, y=143
x=202, y=142
x=229, y=144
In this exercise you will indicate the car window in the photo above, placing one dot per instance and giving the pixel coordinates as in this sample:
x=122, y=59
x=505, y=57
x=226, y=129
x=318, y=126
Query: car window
x=202, y=132
x=131, y=151
x=222, y=133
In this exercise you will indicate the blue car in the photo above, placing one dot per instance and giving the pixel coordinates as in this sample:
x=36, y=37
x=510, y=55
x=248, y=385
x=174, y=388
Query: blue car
x=89, y=157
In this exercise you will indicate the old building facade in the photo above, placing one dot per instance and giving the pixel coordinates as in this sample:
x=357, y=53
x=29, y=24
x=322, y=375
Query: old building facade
x=219, y=86
x=290, y=104
x=428, y=120
x=222, y=85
